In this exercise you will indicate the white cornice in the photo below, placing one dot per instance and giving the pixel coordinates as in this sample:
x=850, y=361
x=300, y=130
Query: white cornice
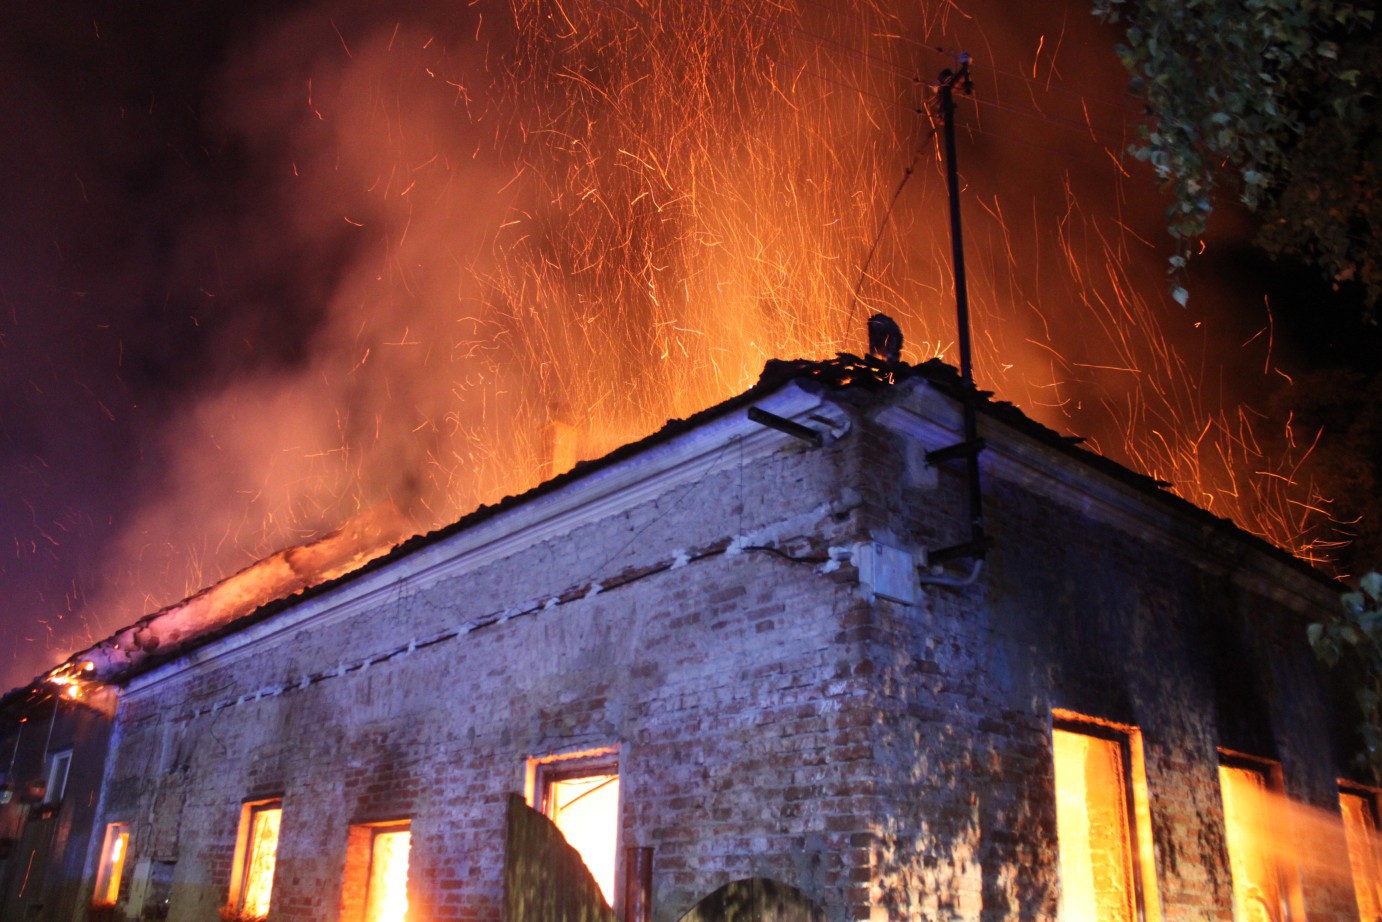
x=601, y=493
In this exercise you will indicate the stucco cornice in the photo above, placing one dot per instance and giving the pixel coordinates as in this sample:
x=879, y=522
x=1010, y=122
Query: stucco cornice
x=604, y=492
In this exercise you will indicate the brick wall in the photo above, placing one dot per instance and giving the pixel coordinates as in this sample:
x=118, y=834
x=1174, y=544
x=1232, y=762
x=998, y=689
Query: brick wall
x=772, y=717
x=719, y=679
x=1129, y=616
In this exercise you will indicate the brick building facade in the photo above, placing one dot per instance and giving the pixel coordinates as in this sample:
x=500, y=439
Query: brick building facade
x=735, y=623
x=52, y=753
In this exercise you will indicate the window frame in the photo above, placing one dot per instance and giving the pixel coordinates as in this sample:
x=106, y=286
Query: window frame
x=546, y=771
x=241, y=865
x=1146, y=895
x=568, y=769
x=55, y=788
x=1274, y=782
x=1373, y=798
x=109, y=875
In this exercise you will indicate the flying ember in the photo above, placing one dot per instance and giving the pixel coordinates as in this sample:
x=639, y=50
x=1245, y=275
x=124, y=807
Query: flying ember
x=551, y=227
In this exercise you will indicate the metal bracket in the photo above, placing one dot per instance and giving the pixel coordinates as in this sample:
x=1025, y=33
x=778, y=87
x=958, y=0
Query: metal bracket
x=796, y=430
x=958, y=450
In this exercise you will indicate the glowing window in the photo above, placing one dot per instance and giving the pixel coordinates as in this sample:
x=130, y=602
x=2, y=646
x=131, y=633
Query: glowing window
x=256, y=852
x=581, y=796
x=1102, y=823
x=376, y=873
x=1359, y=810
x=1259, y=891
x=112, y=863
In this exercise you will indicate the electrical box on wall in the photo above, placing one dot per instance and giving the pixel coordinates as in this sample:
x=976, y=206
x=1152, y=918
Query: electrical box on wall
x=886, y=571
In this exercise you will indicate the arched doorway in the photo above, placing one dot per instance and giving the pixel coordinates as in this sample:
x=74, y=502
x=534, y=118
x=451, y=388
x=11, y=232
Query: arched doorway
x=755, y=899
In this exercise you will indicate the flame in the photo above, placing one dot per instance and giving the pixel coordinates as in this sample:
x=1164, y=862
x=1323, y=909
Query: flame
x=1275, y=843
x=260, y=861
x=1364, y=858
x=1093, y=828
x=112, y=864
x=1259, y=894
x=73, y=680
x=387, y=899
x=570, y=223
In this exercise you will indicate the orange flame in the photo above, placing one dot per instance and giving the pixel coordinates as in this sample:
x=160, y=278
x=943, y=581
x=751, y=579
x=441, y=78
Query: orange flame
x=387, y=899
x=1277, y=846
x=589, y=218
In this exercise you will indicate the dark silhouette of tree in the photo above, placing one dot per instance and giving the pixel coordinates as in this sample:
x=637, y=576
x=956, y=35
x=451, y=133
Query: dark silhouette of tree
x=1352, y=640
x=1275, y=102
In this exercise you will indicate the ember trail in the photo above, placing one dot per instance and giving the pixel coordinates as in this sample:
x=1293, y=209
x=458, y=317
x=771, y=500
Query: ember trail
x=571, y=223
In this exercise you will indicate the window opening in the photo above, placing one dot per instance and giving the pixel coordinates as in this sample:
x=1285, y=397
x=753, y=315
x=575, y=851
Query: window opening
x=1092, y=829
x=1103, y=823
x=387, y=900
x=376, y=873
x=113, y=853
x=1259, y=890
x=56, y=787
x=256, y=856
x=1359, y=809
x=581, y=797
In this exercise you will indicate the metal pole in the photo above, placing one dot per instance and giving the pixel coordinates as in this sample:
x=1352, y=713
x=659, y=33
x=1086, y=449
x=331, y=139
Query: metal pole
x=948, y=80
x=957, y=246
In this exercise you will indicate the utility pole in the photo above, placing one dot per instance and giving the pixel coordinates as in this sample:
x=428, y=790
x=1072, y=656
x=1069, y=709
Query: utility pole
x=949, y=80
x=969, y=449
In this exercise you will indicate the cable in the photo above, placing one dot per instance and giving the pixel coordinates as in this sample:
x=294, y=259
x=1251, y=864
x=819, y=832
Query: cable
x=777, y=552
x=887, y=216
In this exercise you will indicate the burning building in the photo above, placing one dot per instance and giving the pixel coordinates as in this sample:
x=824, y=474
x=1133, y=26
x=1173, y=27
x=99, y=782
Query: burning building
x=732, y=667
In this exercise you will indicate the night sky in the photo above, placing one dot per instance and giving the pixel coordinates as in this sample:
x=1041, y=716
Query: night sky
x=228, y=323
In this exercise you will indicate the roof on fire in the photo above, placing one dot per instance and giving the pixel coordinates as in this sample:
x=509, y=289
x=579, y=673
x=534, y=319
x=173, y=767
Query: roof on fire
x=845, y=376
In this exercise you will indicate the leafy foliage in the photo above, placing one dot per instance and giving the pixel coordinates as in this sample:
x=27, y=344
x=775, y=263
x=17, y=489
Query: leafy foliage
x=1277, y=100
x=1355, y=636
